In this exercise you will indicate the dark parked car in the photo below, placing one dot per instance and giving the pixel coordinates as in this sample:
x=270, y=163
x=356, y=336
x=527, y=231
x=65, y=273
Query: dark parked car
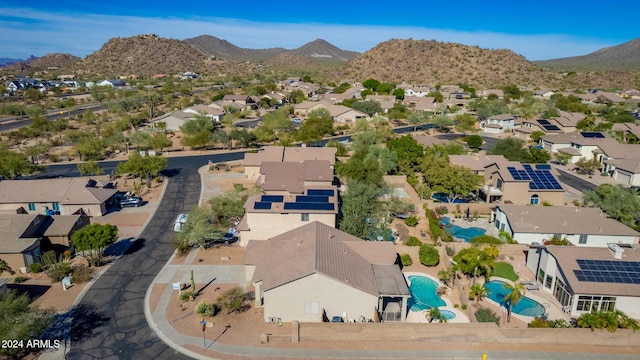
x=131, y=201
x=337, y=319
x=225, y=239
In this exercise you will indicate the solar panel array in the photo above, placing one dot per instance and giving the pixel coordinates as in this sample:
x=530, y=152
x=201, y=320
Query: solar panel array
x=547, y=125
x=539, y=178
x=543, y=166
x=316, y=199
x=609, y=271
x=262, y=205
x=592, y=134
x=272, y=198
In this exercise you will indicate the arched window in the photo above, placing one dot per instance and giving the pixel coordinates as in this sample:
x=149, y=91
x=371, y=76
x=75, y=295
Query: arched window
x=534, y=199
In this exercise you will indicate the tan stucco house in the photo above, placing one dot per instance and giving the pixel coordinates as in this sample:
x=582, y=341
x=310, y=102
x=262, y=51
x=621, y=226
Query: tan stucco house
x=315, y=272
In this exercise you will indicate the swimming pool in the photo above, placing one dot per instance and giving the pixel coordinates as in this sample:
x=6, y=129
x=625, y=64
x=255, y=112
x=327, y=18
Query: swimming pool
x=459, y=232
x=526, y=306
x=424, y=294
x=448, y=314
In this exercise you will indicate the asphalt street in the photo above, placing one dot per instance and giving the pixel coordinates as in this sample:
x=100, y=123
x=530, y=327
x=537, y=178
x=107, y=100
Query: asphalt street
x=109, y=321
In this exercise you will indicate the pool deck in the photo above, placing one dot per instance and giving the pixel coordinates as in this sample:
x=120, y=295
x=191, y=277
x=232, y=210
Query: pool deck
x=482, y=223
x=421, y=316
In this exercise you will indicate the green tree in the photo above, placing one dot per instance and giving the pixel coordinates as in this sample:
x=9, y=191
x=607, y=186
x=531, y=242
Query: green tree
x=437, y=95
x=90, y=148
x=562, y=157
x=398, y=93
x=409, y=153
x=145, y=167
x=466, y=123
x=515, y=294
x=33, y=94
x=617, y=202
x=317, y=125
x=359, y=204
x=429, y=255
x=536, y=135
x=474, y=141
x=444, y=275
x=13, y=164
x=434, y=314
x=368, y=107
x=588, y=166
x=512, y=149
x=159, y=141
x=197, y=131
x=296, y=97
x=90, y=168
x=341, y=149
x=478, y=292
x=371, y=84
x=453, y=180
x=442, y=121
x=537, y=156
x=5, y=267
x=93, y=239
x=474, y=262
x=417, y=118
x=21, y=321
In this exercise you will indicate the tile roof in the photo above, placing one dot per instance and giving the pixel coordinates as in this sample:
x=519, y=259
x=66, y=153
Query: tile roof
x=18, y=233
x=319, y=248
x=476, y=162
x=563, y=220
x=65, y=191
x=60, y=225
x=567, y=256
x=290, y=154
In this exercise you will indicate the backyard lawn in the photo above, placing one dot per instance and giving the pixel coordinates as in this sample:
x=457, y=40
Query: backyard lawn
x=505, y=270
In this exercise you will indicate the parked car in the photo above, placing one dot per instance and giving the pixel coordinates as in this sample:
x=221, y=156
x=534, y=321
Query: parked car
x=297, y=120
x=179, y=222
x=337, y=319
x=226, y=239
x=131, y=201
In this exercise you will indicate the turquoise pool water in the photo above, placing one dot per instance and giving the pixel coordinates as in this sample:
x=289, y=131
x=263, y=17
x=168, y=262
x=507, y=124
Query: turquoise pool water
x=459, y=232
x=448, y=314
x=423, y=294
x=526, y=306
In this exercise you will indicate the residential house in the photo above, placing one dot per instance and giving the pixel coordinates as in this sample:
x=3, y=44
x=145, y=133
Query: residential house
x=577, y=144
x=253, y=161
x=387, y=102
x=630, y=132
x=111, y=83
x=418, y=103
x=212, y=112
x=343, y=114
x=303, y=108
x=581, y=226
x=428, y=140
x=176, y=118
x=509, y=182
x=497, y=92
x=247, y=102
x=497, y=124
x=26, y=237
x=585, y=279
x=64, y=196
x=314, y=272
x=476, y=162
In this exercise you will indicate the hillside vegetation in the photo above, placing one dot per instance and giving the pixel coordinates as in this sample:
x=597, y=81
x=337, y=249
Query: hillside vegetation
x=433, y=62
x=620, y=57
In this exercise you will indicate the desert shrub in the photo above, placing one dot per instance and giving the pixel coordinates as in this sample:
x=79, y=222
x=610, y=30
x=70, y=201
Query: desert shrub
x=35, y=267
x=463, y=307
x=413, y=241
x=485, y=315
x=181, y=244
x=238, y=187
x=560, y=324
x=20, y=279
x=54, y=266
x=206, y=308
x=232, y=300
x=486, y=239
x=187, y=295
x=539, y=323
x=491, y=251
x=429, y=256
x=442, y=210
x=82, y=274
x=406, y=260
x=411, y=221
x=450, y=251
x=456, y=306
x=66, y=254
x=556, y=241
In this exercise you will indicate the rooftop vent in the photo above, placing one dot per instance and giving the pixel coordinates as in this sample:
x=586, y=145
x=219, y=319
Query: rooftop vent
x=615, y=250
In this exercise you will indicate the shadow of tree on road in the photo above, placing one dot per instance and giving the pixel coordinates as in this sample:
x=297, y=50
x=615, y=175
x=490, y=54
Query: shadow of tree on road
x=86, y=322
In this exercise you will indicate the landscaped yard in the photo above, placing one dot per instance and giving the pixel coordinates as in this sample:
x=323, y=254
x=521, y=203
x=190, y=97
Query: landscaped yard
x=505, y=270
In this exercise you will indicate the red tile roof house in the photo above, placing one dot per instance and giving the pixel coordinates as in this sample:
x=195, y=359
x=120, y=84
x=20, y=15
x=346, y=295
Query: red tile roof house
x=25, y=237
x=64, y=196
x=583, y=279
x=315, y=272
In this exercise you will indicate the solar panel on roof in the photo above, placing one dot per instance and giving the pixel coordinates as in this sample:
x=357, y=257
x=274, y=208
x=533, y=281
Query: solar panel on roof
x=543, y=122
x=308, y=206
x=592, y=134
x=312, y=199
x=551, y=127
x=260, y=205
x=619, y=272
x=272, y=198
x=320, y=192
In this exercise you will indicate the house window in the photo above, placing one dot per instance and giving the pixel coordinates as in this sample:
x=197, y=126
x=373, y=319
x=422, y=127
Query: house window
x=561, y=293
x=497, y=224
x=540, y=275
x=32, y=207
x=534, y=199
x=499, y=184
x=583, y=239
x=548, y=281
x=304, y=217
x=55, y=206
x=597, y=303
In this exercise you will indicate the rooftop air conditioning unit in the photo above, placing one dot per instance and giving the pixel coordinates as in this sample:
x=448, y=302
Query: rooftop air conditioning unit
x=615, y=250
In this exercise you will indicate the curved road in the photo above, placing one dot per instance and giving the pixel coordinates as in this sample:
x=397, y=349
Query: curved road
x=109, y=321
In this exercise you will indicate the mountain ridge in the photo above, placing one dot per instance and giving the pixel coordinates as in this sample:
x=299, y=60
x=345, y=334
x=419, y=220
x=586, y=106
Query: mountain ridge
x=625, y=56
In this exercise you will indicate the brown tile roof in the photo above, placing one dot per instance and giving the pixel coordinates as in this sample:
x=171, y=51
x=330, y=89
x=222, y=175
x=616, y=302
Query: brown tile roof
x=301, y=154
x=282, y=176
x=563, y=220
x=64, y=191
x=566, y=257
x=61, y=225
x=630, y=165
x=267, y=153
x=18, y=233
x=476, y=162
x=319, y=248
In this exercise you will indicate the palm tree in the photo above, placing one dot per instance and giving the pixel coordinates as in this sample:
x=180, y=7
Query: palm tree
x=435, y=314
x=516, y=292
x=444, y=275
x=479, y=291
x=485, y=263
x=610, y=320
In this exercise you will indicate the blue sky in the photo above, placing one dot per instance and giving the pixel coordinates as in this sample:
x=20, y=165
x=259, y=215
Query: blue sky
x=537, y=30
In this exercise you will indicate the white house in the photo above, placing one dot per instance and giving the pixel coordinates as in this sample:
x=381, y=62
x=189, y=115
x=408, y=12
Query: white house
x=583, y=279
x=499, y=123
x=315, y=272
x=581, y=226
